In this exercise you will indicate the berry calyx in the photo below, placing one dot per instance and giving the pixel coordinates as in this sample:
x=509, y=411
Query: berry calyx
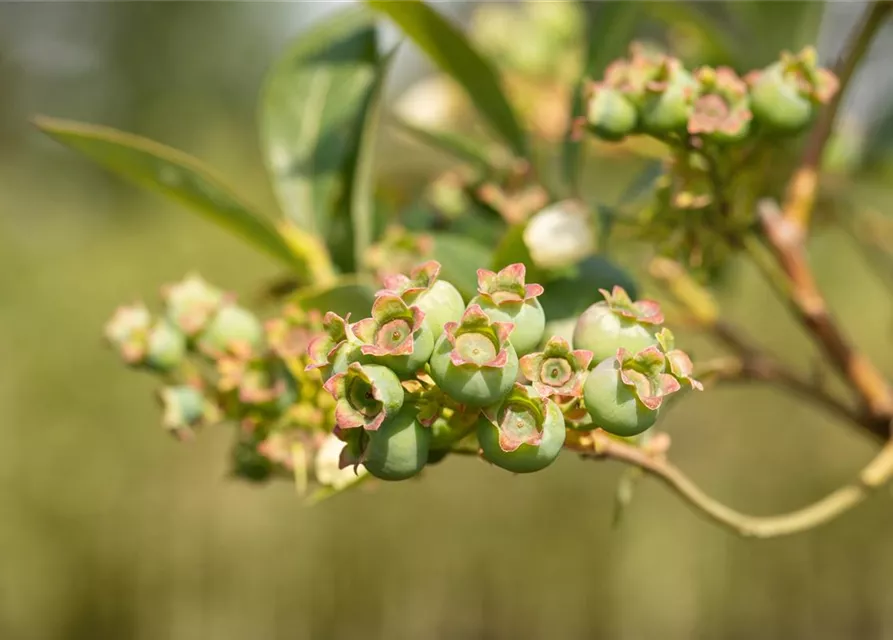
x=617, y=322
x=395, y=336
x=505, y=297
x=440, y=301
x=679, y=364
x=473, y=361
x=331, y=352
x=524, y=433
x=557, y=370
x=191, y=303
x=721, y=112
x=365, y=396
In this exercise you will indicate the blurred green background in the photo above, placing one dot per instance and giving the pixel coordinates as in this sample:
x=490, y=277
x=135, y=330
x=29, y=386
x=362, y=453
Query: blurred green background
x=109, y=529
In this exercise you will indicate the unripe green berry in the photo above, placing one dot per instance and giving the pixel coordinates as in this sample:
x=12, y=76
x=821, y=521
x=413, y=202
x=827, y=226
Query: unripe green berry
x=667, y=101
x=777, y=102
x=616, y=323
x=505, y=298
x=614, y=406
x=609, y=114
x=473, y=362
x=524, y=434
x=399, y=448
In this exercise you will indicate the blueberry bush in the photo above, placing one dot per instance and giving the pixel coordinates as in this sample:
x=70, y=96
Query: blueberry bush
x=489, y=315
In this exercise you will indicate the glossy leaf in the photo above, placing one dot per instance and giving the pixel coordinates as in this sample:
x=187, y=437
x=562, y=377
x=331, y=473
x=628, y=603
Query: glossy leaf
x=346, y=296
x=609, y=29
x=451, y=51
x=775, y=26
x=313, y=110
x=460, y=258
x=715, y=41
x=362, y=187
x=173, y=174
x=461, y=147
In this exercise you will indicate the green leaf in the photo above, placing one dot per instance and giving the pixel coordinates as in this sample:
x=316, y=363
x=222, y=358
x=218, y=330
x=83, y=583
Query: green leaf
x=609, y=29
x=362, y=188
x=460, y=147
x=313, y=110
x=774, y=26
x=173, y=174
x=512, y=249
x=450, y=50
x=715, y=41
x=347, y=296
x=460, y=258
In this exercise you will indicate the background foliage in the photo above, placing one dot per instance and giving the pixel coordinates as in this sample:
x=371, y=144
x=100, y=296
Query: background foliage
x=109, y=530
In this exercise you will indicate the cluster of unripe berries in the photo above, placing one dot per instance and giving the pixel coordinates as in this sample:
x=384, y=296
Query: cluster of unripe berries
x=426, y=371
x=653, y=94
x=219, y=362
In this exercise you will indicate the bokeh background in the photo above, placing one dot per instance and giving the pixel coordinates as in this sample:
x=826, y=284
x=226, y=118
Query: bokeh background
x=110, y=529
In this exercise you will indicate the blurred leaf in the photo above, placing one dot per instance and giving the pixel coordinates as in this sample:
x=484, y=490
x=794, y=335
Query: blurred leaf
x=776, y=26
x=570, y=295
x=722, y=44
x=641, y=183
x=511, y=249
x=450, y=50
x=173, y=174
x=362, y=187
x=348, y=296
x=609, y=29
x=313, y=110
x=460, y=258
x=457, y=145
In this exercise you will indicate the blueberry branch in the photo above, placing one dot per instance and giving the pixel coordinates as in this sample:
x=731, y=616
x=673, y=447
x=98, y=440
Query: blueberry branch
x=874, y=475
x=801, y=192
x=750, y=362
x=786, y=239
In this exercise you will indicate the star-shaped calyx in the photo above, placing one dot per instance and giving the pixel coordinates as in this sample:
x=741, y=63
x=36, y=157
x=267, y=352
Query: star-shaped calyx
x=645, y=373
x=365, y=396
x=520, y=418
x=328, y=351
x=557, y=370
x=722, y=109
x=679, y=365
x=477, y=341
x=395, y=335
x=641, y=311
x=507, y=286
